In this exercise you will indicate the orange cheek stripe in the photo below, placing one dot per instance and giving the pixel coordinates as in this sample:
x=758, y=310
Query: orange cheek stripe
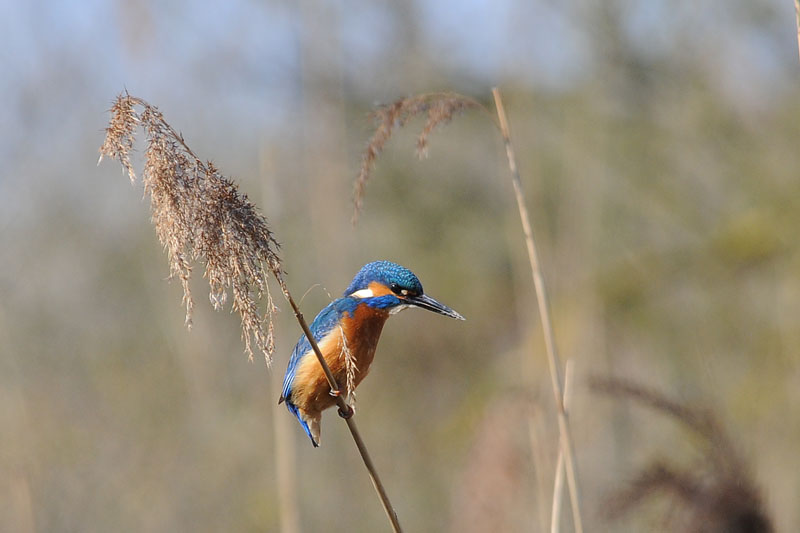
x=379, y=289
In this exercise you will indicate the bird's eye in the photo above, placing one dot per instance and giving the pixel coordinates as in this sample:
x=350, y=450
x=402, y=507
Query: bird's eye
x=397, y=289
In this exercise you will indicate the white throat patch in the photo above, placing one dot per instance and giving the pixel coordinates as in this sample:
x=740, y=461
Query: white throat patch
x=363, y=293
x=396, y=309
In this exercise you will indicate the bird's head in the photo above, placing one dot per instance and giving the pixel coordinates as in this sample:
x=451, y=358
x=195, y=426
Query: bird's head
x=389, y=286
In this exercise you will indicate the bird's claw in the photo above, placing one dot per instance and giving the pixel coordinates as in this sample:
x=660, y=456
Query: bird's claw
x=346, y=414
x=335, y=393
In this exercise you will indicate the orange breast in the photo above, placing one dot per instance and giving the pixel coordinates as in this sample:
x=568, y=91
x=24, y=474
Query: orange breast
x=310, y=389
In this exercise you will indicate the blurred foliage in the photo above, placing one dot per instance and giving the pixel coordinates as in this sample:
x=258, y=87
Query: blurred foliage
x=658, y=149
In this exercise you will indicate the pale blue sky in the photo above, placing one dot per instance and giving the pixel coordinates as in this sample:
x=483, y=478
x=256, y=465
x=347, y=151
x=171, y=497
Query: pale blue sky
x=63, y=61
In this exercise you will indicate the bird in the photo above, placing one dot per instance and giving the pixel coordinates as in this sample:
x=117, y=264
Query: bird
x=349, y=326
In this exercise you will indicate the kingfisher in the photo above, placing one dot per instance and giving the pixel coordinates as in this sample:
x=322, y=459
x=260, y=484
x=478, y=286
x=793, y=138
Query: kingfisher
x=349, y=328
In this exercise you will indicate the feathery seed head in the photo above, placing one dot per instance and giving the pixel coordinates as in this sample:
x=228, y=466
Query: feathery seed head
x=199, y=215
x=440, y=108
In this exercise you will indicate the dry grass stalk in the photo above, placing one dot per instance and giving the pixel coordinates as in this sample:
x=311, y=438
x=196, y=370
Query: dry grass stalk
x=199, y=215
x=797, y=22
x=440, y=108
x=544, y=315
x=717, y=494
x=558, y=482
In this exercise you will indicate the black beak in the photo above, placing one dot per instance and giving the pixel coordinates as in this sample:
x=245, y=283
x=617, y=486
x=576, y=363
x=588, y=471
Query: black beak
x=426, y=302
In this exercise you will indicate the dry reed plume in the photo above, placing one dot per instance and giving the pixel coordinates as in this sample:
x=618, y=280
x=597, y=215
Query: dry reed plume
x=199, y=215
x=440, y=108
x=715, y=495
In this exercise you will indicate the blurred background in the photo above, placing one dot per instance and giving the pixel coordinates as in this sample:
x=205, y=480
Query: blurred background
x=657, y=141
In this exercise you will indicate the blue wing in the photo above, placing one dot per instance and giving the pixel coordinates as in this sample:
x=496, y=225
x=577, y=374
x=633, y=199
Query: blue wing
x=325, y=321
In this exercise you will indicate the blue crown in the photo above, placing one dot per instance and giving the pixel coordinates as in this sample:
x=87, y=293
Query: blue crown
x=387, y=273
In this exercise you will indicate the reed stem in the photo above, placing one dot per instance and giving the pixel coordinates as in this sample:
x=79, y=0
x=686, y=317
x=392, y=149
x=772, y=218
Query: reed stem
x=344, y=408
x=558, y=483
x=797, y=17
x=544, y=315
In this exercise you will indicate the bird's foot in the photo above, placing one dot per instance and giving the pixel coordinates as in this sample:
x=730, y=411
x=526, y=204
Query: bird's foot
x=348, y=413
x=335, y=393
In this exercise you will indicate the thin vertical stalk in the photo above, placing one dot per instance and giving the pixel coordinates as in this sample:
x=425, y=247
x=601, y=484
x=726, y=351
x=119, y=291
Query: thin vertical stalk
x=347, y=413
x=797, y=21
x=558, y=483
x=285, y=451
x=544, y=315
x=285, y=468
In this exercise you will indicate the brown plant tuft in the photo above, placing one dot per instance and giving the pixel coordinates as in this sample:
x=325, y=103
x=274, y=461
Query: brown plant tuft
x=440, y=108
x=350, y=369
x=715, y=495
x=199, y=215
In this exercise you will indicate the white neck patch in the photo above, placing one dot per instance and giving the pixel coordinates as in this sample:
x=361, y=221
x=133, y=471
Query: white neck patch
x=363, y=293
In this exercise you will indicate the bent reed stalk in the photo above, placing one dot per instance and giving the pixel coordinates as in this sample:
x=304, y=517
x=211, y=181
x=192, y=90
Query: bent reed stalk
x=200, y=215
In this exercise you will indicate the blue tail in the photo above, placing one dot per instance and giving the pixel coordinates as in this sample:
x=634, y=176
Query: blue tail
x=293, y=409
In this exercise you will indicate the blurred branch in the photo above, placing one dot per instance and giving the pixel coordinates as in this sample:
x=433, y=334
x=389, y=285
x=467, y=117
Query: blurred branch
x=544, y=314
x=718, y=494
